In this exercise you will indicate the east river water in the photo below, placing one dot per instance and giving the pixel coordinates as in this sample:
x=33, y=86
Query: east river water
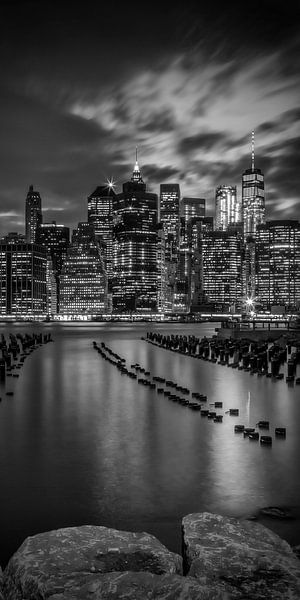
x=80, y=443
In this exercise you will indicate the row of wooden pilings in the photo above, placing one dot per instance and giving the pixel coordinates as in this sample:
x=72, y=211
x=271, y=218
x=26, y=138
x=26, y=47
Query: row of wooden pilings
x=16, y=345
x=257, y=357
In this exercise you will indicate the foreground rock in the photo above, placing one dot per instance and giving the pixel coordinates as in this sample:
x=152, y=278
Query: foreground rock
x=296, y=550
x=139, y=586
x=249, y=560
x=52, y=562
x=1, y=581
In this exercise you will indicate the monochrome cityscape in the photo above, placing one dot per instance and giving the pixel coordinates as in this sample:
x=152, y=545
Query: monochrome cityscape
x=144, y=254
x=149, y=300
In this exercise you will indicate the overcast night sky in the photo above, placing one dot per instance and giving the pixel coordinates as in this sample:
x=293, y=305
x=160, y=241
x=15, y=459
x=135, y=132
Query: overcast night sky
x=82, y=85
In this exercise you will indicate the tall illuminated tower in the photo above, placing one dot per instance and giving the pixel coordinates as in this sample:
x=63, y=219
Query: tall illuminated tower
x=100, y=215
x=169, y=216
x=33, y=214
x=169, y=210
x=135, y=269
x=55, y=238
x=191, y=210
x=228, y=208
x=253, y=197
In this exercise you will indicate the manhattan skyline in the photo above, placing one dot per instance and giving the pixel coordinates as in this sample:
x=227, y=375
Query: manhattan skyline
x=84, y=85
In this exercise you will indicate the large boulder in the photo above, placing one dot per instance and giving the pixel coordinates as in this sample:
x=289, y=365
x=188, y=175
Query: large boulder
x=1, y=582
x=139, y=586
x=249, y=560
x=50, y=562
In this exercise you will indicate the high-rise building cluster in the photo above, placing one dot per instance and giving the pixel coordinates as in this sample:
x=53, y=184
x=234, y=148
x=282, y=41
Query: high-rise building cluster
x=143, y=253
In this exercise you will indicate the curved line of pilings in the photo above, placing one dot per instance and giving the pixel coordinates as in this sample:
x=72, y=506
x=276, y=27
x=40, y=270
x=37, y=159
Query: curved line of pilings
x=256, y=358
x=194, y=400
x=15, y=350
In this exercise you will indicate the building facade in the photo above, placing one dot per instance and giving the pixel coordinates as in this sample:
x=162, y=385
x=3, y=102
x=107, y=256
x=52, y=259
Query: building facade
x=253, y=200
x=100, y=215
x=55, y=239
x=52, y=289
x=23, y=289
x=162, y=279
x=221, y=265
x=169, y=208
x=278, y=264
x=83, y=284
x=228, y=208
x=169, y=217
x=33, y=214
x=191, y=208
x=135, y=269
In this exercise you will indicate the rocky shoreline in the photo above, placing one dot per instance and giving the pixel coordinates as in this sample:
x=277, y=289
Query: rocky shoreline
x=223, y=558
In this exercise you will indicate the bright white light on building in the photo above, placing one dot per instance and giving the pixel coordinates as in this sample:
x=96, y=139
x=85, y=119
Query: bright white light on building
x=111, y=183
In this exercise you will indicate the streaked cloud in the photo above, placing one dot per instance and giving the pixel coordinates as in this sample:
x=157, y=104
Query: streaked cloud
x=9, y=213
x=187, y=85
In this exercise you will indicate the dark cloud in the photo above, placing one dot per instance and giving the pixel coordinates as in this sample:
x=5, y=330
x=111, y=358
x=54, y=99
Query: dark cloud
x=284, y=173
x=83, y=45
x=158, y=121
x=269, y=127
x=220, y=84
x=202, y=141
x=225, y=31
x=33, y=129
x=154, y=174
x=284, y=120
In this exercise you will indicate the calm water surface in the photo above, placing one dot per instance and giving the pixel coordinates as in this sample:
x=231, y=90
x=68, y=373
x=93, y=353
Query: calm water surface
x=82, y=444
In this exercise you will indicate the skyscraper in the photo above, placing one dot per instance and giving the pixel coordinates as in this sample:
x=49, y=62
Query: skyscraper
x=278, y=263
x=162, y=282
x=33, y=214
x=23, y=290
x=169, y=209
x=169, y=216
x=228, y=208
x=253, y=197
x=100, y=215
x=198, y=228
x=135, y=268
x=55, y=239
x=191, y=210
x=83, y=280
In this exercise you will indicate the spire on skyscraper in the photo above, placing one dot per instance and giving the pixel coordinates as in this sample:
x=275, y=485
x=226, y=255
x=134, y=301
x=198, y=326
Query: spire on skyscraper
x=136, y=175
x=252, y=151
x=253, y=196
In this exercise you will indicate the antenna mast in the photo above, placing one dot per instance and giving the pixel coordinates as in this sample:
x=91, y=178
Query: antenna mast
x=252, y=151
